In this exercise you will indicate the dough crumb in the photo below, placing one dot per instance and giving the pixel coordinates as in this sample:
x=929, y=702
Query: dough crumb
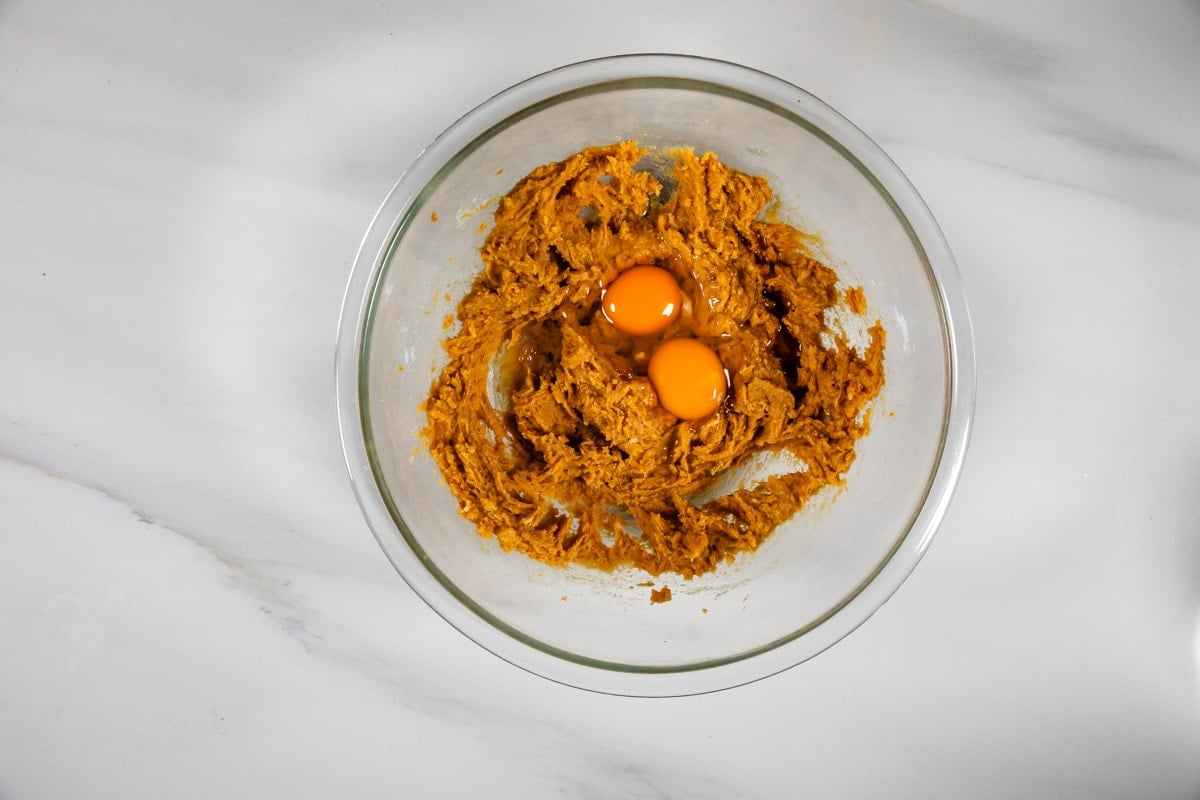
x=856, y=300
x=662, y=595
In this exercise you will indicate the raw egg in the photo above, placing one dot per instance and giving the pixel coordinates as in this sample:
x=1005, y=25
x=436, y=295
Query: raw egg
x=688, y=378
x=642, y=300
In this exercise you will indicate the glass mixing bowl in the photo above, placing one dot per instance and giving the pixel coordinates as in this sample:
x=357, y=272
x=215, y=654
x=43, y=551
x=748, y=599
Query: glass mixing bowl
x=819, y=575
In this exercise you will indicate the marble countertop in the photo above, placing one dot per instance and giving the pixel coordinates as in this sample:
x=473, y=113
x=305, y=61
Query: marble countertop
x=191, y=604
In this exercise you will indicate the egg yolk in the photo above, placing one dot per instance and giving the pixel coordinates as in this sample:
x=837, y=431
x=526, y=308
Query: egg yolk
x=642, y=300
x=688, y=378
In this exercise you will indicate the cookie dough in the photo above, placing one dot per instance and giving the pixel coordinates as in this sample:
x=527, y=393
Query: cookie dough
x=543, y=421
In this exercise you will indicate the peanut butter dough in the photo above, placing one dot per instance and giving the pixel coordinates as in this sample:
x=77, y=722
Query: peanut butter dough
x=543, y=421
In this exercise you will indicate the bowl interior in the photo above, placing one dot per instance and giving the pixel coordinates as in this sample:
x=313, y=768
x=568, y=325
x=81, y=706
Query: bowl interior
x=811, y=566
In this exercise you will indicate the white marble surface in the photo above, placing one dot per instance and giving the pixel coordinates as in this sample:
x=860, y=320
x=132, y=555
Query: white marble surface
x=190, y=602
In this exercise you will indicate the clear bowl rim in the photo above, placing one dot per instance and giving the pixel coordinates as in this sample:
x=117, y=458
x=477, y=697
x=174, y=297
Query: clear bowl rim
x=704, y=74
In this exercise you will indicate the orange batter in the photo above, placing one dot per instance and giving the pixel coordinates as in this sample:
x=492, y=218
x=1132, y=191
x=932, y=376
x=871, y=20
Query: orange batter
x=548, y=422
